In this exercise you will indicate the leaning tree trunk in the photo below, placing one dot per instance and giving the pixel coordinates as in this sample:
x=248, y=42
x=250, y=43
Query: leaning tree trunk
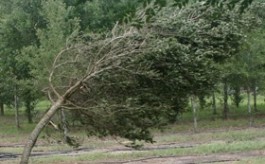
x=35, y=133
x=193, y=104
x=249, y=108
x=225, y=113
x=2, y=109
x=45, y=119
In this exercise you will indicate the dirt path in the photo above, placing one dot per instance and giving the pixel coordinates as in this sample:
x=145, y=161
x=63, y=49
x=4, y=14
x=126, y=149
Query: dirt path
x=225, y=157
x=9, y=156
x=83, y=150
x=199, y=159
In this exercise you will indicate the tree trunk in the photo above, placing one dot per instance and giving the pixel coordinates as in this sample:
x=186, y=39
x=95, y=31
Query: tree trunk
x=255, y=98
x=37, y=130
x=225, y=100
x=249, y=107
x=29, y=109
x=16, y=108
x=2, y=109
x=237, y=97
x=214, y=103
x=193, y=104
x=45, y=119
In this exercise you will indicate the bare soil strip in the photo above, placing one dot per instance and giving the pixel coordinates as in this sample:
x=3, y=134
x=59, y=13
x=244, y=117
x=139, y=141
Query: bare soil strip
x=6, y=156
x=225, y=157
x=200, y=159
x=9, y=156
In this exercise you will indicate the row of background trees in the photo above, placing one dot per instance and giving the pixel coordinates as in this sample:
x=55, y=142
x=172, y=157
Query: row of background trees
x=125, y=66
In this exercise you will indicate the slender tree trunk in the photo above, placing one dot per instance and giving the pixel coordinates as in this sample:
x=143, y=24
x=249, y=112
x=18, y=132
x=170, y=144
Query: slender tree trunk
x=225, y=113
x=16, y=108
x=29, y=109
x=249, y=107
x=194, y=109
x=255, y=98
x=2, y=109
x=237, y=97
x=35, y=133
x=214, y=103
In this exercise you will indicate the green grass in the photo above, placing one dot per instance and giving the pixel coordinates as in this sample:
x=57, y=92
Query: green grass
x=43, y=105
x=256, y=160
x=8, y=130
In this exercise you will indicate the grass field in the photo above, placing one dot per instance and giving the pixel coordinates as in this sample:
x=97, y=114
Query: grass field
x=217, y=141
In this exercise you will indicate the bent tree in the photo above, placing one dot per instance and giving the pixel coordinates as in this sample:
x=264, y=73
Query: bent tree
x=80, y=64
x=78, y=61
x=71, y=64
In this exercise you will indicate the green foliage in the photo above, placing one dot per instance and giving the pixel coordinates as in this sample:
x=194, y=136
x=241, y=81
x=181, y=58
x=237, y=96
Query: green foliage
x=246, y=68
x=237, y=97
x=57, y=35
x=243, y=4
x=149, y=89
x=17, y=31
x=187, y=47
x=101, y=15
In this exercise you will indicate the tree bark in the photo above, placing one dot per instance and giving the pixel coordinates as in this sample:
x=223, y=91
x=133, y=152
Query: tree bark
x=37, y=130
x=16, y=108
x=237, y=97
x=255, y=98
x=214, y=103
x=225, y=113
x=2, y=109
x=193, y=104
x=249, y=107
x=29, y=109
